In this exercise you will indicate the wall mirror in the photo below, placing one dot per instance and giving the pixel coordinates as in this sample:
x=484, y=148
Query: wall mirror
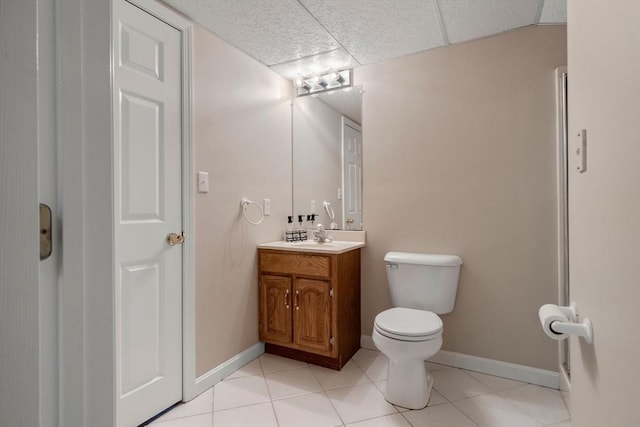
x=327, y=158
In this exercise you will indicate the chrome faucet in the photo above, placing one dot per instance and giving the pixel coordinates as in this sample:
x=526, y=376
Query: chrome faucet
x=320, y=235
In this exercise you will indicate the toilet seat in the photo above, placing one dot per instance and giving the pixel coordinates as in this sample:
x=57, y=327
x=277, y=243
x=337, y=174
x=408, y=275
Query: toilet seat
x=407, y=324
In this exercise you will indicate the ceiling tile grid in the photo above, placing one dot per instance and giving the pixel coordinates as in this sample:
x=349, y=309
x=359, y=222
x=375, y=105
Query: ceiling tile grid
x=272, y=31
x=375, y=30
x=300, y=38
x=471, y=19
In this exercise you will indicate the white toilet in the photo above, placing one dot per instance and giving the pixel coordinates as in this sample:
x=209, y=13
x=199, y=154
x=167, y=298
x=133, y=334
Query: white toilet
x=421, y=286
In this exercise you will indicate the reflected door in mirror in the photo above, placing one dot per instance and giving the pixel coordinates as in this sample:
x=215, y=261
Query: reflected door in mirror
x=352, y=175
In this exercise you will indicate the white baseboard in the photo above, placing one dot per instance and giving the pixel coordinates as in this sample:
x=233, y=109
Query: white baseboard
x=508, y=370
x=367, y=342
x=217, y=374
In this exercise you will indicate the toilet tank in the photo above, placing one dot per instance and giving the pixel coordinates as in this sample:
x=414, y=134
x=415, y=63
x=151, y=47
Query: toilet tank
x=423, y=281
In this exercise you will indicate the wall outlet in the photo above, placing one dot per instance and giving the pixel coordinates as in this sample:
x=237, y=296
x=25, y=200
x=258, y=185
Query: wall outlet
x=203, y=182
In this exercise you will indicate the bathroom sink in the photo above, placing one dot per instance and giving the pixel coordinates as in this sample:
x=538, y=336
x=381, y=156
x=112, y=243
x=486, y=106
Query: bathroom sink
x=334, y=247
x=314, y=244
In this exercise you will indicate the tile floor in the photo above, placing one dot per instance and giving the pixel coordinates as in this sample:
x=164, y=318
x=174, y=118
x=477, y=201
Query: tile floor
x=272, y=391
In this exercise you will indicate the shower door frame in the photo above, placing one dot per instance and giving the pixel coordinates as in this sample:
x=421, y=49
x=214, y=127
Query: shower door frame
x=561, y=79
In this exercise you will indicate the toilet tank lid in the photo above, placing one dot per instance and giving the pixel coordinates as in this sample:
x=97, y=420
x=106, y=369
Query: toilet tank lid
x=423, y=259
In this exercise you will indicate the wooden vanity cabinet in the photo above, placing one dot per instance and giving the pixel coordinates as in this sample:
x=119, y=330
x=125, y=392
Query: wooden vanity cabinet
x=310, y=305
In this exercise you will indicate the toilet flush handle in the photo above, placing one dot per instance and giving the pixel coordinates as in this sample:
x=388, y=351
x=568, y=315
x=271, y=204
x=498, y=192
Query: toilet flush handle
x=392, y=266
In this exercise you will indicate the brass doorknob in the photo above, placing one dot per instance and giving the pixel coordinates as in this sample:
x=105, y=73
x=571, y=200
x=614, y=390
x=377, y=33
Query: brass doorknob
x=175, y=239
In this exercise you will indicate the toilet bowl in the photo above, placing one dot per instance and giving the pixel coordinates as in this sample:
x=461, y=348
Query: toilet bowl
x=408, y=337
x=421, y=287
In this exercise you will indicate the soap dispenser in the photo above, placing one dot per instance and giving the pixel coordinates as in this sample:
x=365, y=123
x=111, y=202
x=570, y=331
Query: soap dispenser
x=302, y=232
x=288, y=230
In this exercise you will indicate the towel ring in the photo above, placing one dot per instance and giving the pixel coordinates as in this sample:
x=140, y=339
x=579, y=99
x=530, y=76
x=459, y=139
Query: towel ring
x=245, y=203
x=329, y=209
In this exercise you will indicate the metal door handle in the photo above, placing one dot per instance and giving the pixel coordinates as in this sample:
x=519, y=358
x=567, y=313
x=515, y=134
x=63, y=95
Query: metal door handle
x=175, y=239
x=286, y=298
x=297, y=303
x=349, y=221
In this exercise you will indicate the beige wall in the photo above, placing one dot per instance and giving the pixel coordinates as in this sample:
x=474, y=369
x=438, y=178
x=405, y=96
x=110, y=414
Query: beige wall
x=459, y=159
x=604, y=210
x=242, y=137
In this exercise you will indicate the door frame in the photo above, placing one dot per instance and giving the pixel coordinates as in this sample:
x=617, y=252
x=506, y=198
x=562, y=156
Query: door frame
x=86, y=322
x=562, y=201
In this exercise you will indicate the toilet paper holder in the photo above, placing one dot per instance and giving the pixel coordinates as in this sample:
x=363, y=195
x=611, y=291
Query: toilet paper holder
x=582, y=329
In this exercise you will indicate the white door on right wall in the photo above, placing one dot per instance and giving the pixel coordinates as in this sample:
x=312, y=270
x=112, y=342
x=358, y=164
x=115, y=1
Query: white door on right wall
x=604, y=210
x=351, y=175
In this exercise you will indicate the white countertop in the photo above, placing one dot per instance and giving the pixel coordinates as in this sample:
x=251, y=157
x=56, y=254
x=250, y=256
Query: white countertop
x=333, y=247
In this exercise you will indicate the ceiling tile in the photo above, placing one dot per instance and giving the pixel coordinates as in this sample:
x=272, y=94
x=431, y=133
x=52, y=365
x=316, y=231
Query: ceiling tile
x=375, y=30
x=554, y=11
x=337, y=59
x=271, y=31
x=472, y=19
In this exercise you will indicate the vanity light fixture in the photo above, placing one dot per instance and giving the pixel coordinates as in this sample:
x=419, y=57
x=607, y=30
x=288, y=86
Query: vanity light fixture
x=301, y=84
x=335, y=77
x=323, y=83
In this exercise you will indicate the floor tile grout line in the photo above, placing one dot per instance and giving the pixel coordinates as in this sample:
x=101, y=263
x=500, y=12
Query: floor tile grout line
x=406, y=419
x=367, y=380
x=266, y=383
x=521, y=383
x=324, y=391
x=242, y=406
x=513, y=402
x=497, y=395
x=334, y=408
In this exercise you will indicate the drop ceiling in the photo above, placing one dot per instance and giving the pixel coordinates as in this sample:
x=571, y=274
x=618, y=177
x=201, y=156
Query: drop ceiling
x=300, y=38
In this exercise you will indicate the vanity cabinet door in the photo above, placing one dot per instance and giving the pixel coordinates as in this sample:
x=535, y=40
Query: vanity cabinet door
x=312, y=315
x=275, y=309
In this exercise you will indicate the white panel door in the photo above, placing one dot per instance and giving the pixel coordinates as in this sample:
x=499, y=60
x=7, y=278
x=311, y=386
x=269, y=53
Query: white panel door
x=352, y=175
x=604, y=210
x=148, y=206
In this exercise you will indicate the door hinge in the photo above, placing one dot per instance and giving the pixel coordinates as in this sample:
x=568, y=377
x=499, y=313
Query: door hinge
x=331, y=292
x=331, y=340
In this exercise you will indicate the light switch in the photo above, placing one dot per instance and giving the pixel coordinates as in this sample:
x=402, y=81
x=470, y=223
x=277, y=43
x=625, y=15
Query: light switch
x=267, y=207
x=581, y=151
x=203, y=182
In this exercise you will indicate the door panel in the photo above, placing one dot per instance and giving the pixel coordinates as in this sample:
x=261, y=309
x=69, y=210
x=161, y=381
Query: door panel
x=141, y=151
x=142, y=286
x=275, y=309
x=312, y=321
x=604, y=210
x=148, y=206
x=352, y=175
x=141, y=52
